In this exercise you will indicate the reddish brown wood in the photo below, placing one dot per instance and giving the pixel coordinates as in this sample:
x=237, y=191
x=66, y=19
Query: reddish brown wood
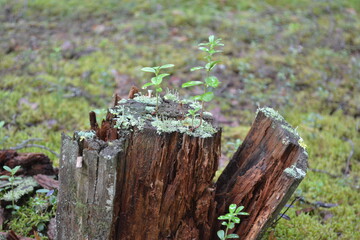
x=132, y=92
x=165, y=187
x=262, y=175
x=31, y=163
x=146, y=185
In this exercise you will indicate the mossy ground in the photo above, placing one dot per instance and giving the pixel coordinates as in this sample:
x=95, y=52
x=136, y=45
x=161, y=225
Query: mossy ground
x=61, y=59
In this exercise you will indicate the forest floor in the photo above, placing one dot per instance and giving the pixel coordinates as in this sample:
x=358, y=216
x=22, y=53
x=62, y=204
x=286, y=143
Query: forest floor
x=61, y=59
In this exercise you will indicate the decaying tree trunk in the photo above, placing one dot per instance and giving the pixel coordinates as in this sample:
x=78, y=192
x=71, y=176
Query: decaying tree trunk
x=138, y=183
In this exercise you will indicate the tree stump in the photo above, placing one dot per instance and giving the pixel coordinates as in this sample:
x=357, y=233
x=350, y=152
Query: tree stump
x=145, y=175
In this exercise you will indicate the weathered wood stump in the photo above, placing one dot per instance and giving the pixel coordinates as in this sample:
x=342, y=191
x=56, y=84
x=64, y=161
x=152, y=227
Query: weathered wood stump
x=146, y=176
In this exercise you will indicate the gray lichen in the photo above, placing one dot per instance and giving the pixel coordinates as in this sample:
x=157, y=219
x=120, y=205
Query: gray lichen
x=146, y=99
x=271, y=113
x=184, y=126
x=85, y=135
x=295, y=172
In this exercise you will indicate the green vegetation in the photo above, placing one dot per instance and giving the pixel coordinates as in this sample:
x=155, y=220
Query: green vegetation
x=61, y=59
x=231, y=219
x=210, y=81
x=35, y=214
x=12, y=179
x=157, y=80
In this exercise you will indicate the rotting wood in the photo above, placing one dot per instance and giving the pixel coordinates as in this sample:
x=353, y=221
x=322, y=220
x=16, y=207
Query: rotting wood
x=263, y=173
x=31, y=163
x=139, y=184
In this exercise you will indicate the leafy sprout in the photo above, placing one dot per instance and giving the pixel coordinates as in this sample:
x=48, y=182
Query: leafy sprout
x=210, y=82
x=230, y=219
x=12, y=180
x=157, y=80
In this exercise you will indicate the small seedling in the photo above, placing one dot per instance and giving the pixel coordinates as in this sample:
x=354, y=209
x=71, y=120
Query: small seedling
x=231, y=219
x=193, y=113
x=157, y=80
x=12, y=180
x=210, y=82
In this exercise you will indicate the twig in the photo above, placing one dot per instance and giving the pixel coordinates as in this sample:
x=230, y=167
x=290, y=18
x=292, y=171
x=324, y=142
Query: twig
x=25, y=144
x=282, y=214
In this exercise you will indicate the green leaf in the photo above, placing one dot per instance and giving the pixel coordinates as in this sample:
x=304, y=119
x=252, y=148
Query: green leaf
x=211, y=38
x=2, y=123
x=239, y=209
x=147, y=85
x=167, y=66
x=221, y=234
x=191, y=84
x=4, y=177
x=236, y=220
x=203, y=44
x=231, y=225
x=161, y=76
x=213, y=64
x=159, y=89
x=242, y=213
x=204, y=49
x=223, y=217
x=232, y=208
x=15, y=169
x=207, y=97
x=7, y=168
x=233, y=235
x=42, y=190
x=148, y=69
x=156, y=80
x=212, y=81
x=196, y=68
x=197, y=98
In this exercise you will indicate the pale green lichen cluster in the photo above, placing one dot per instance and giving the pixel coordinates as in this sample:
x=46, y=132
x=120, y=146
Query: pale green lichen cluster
x=86, y=135
x=146, y=99
x=203, y=131
x=125, y=119
x=172, y=95
x=295, y=172
x=271, y=113
x=290, y=129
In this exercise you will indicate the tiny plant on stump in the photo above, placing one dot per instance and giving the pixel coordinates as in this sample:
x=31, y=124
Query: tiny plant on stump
x=157, y=80
x=210, y=82
x=231, y=219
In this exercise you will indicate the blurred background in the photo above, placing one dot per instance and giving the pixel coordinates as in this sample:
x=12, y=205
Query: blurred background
x=61, y=59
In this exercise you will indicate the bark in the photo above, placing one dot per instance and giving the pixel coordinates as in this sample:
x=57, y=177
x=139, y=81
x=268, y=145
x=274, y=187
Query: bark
x=263, y=174
x=139, y=184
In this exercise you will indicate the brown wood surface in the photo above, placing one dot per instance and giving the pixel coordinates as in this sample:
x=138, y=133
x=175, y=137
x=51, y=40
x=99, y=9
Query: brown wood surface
x=31, y=163
x=256, y=177
x=146, y=185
